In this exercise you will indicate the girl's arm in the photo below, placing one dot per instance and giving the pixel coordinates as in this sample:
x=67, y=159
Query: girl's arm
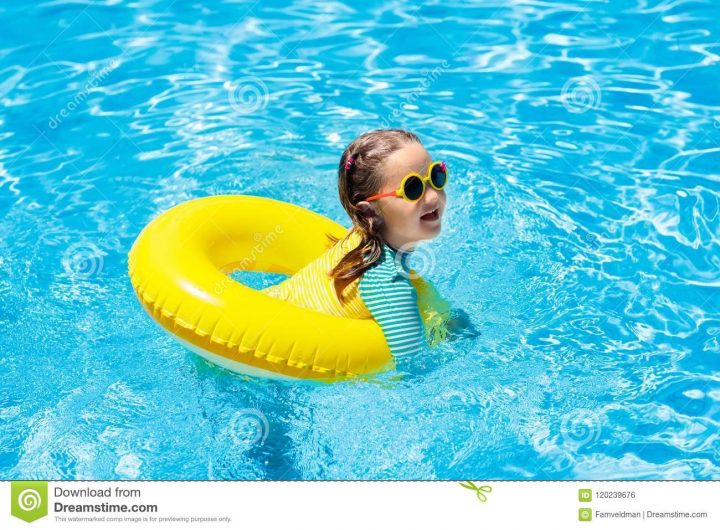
x=442, y=321
x=392, y=302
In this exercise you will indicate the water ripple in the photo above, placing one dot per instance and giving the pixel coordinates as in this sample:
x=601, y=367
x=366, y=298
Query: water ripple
x=582, y=234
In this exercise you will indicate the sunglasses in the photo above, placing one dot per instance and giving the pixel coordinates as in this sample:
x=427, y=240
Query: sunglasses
x=412, y=188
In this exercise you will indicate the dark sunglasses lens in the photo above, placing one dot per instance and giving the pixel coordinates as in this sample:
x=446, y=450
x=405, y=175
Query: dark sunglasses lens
x=438, y=176
x=414, y=188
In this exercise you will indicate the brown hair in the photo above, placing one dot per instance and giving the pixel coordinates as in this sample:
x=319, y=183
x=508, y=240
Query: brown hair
x=362, y=178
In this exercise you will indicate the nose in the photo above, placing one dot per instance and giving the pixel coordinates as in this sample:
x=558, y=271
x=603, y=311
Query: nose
x=432, y=197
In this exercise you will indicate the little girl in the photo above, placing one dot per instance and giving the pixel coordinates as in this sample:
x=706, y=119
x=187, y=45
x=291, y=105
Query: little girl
x=394, y=194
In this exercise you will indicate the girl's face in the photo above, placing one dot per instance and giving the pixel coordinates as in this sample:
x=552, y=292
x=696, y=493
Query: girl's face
x=404, y=222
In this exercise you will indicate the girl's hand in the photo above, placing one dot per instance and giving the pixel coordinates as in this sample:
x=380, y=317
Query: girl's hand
x=460, y=326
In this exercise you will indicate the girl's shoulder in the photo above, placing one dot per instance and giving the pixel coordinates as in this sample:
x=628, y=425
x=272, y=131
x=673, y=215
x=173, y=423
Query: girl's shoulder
x=386, y=269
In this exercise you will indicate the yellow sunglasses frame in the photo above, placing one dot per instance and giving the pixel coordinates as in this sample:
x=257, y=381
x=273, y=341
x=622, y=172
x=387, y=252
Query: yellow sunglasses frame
x=400, y=192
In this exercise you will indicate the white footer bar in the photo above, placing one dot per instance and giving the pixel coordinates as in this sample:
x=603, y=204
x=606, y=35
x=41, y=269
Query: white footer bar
x=361, y=505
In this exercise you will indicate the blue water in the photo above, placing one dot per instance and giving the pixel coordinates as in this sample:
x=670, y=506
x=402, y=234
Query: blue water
x=582, y=233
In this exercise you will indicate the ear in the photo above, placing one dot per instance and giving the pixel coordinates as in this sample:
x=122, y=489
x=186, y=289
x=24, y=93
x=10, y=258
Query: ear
x=367, y=209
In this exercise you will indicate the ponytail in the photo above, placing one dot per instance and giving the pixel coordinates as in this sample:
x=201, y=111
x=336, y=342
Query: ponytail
x=354, y=264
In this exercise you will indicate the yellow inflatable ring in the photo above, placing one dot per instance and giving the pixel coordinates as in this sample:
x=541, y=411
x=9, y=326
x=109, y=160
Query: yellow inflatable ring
x=179, y=268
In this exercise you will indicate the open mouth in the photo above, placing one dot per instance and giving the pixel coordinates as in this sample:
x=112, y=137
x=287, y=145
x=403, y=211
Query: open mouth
x=431, y=216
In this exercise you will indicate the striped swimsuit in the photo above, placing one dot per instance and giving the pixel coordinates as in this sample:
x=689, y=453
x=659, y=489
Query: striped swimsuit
x=406, y=307
x=391, y=298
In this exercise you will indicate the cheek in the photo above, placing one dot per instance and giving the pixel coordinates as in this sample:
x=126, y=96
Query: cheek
x=401, y=214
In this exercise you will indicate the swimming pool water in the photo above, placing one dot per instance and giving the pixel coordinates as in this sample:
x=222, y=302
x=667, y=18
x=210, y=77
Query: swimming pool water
x=582, y=233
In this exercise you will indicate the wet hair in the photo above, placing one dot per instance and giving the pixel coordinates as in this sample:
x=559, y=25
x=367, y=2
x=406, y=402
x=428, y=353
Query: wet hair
x=359, y=177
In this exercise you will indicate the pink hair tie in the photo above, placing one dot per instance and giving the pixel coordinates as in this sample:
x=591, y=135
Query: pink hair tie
x=349, y=162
